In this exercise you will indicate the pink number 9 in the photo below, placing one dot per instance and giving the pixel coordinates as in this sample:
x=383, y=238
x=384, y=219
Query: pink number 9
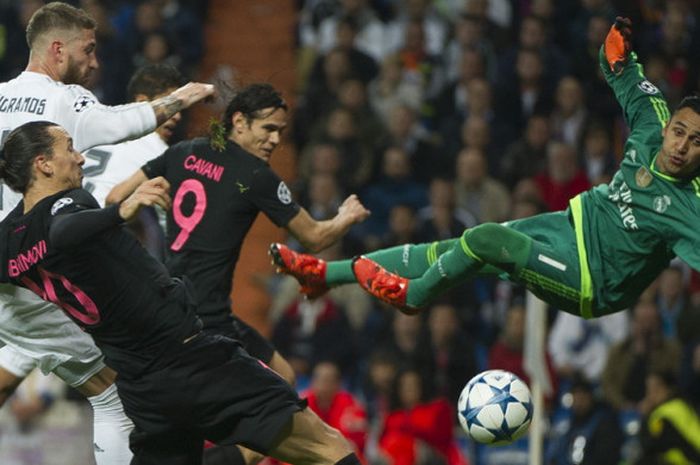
x=188, y=223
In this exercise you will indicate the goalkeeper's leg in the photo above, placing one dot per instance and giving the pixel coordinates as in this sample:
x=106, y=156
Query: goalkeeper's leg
x=539, y=252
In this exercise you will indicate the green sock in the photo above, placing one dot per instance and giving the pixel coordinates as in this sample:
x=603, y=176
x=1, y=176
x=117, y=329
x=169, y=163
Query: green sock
x=409, y=261
x=449, y=269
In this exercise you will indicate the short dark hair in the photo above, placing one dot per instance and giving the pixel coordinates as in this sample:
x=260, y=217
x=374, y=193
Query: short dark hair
x=154, y=79
x=21, y=147
x=249, y=101
x=57, y=16
x=692, y=102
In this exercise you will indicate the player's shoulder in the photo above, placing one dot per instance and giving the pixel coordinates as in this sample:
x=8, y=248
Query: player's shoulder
x=71, y=199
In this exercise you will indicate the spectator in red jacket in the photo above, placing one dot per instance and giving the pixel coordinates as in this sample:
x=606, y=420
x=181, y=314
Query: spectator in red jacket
x=337, y=407
x=563, y=178
x=416, y=422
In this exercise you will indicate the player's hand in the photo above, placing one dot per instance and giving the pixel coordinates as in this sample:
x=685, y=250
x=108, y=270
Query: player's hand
x=153, y=192
x=617, y=44
x=352, y=208
x=193, y=92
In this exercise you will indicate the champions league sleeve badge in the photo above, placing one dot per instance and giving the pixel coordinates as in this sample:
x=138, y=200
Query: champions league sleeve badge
x=60, y=203
x=648, y=88
x=283, y=193
x=83, y=102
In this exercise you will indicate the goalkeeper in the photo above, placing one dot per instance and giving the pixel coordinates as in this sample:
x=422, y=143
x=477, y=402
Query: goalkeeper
x=590, y=260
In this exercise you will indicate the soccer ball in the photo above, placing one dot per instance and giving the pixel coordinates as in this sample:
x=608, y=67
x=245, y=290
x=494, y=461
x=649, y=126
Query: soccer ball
x=495, y=407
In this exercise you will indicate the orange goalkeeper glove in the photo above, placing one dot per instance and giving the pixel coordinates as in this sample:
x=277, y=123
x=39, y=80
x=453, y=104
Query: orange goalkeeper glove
x=617, y=44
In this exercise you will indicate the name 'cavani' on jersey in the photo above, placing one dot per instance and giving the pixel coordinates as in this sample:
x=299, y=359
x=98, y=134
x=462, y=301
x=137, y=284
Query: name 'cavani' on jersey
x=106, y=282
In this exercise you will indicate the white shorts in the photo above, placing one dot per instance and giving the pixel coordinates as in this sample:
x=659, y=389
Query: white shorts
x=38, y=334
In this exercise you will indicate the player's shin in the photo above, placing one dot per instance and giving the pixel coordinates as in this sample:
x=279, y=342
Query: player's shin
x=449, y=269
x=489, y=244
x=408, y=261
x=111, y=429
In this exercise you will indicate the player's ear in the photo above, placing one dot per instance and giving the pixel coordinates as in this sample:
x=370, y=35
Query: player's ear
x=240, y=122
x=43, y=165
x=57, y=49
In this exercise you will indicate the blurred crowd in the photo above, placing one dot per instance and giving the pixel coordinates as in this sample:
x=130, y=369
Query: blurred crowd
x=440, y=115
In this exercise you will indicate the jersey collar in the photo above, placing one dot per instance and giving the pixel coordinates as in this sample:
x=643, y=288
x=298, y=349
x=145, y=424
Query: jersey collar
x=695, y=182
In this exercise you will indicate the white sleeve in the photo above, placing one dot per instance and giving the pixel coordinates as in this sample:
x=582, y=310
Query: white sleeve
x=92, y=123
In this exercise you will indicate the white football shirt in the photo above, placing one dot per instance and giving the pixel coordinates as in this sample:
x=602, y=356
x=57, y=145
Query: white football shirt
x=108, y=165
x=36, y=97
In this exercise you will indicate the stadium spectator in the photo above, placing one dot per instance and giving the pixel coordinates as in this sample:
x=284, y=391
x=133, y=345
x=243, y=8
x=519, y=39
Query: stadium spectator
x=589, y=434
x=597, y=153
x=442, y=218
x=644, y=351
x=581, y=346
x=313, y=330
x=336, y=406
x=453, y=352
x=391, y=89
x=671, y=425
x=527, y=156
x=569, y=116
x=563, y=179
x=477, y=192
x=416, y=422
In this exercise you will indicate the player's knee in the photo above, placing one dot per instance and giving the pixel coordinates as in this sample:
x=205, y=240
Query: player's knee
x=486, y=240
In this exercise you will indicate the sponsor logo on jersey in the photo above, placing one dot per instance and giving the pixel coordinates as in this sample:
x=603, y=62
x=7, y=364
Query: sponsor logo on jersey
x=242, y=188
x=661, y=203
x=648, y=88
x=83, y=102
x=632, y=153
x=643, y=177
x=283, y=193
x=60, y=203
x=621, y=194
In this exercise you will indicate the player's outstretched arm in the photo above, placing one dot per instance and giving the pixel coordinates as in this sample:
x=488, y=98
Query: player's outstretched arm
x=642, y=103
x=318, y=235
x=180, y=99
x=92, y=123
x=125, y=188
x=77, y=216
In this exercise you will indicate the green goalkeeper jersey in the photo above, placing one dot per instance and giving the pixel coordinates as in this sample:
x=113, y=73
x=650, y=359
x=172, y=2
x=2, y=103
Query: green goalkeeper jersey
x=629, y=230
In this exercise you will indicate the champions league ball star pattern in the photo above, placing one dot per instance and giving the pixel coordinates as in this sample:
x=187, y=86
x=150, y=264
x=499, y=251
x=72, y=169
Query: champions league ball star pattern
x=495, y=407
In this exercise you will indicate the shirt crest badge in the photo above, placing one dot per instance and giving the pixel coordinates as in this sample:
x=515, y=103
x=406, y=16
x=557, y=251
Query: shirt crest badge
x=643, y=177
x=661, y=203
